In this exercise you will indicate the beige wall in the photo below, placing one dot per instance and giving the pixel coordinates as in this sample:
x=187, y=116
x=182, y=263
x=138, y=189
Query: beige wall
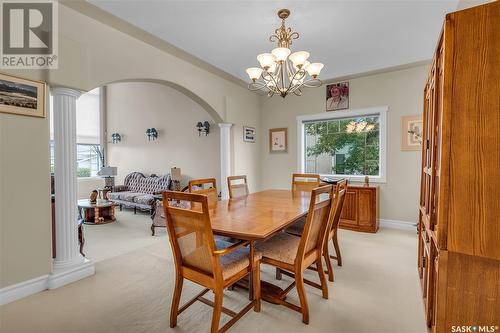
x=85, y=186
x=133, y=107
x=92, y=54
x=25, y=247
x=401, y=90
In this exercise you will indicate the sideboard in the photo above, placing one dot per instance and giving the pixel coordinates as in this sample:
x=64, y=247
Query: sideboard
x=361, y=209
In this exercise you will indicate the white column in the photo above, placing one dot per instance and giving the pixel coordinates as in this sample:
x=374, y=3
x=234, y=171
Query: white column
x=69, y=265
x=225, y=157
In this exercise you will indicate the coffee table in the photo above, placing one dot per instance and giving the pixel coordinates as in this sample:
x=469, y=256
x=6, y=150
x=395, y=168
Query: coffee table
x=100, y=212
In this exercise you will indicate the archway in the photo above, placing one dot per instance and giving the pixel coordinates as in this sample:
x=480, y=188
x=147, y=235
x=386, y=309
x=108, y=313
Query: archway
x=66, y=99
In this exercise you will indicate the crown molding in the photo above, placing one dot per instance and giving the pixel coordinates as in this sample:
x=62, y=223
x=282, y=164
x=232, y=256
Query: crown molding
x=378, y=71
x=100, y=15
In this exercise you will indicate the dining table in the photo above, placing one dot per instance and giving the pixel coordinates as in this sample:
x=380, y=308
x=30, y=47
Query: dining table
x=256, y=217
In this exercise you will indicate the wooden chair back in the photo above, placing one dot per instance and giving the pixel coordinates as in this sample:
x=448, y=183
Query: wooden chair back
x=207, y=186
x=190, y=232
x=317, y=222
x=340, y=193
x=237, y=186
x=305, y=182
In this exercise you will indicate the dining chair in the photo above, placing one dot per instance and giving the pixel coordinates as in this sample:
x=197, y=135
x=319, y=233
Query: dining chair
x=207, y=186
x=237, y=186
x=301, y=182
x=305, y=181
x=340, y=193
x=293, y=255
x=212, y=264
x=298, y=227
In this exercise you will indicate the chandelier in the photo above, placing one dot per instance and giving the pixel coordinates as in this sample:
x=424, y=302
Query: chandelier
x=281, y=71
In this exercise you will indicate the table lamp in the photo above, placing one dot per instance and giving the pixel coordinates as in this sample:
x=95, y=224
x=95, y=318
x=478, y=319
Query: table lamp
x=108, y=173
x=175, y=173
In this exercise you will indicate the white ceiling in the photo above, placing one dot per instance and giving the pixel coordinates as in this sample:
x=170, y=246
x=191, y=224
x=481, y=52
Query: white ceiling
x=349, y=37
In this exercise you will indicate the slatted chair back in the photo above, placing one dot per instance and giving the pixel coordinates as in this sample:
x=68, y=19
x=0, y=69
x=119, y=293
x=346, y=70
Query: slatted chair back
x=237, y=186
x=317, y=221
x=207, y=186
x=190, y=232
x=305, y=182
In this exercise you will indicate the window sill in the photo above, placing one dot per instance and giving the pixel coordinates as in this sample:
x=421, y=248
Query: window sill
x=357, y=179
x=88, y=179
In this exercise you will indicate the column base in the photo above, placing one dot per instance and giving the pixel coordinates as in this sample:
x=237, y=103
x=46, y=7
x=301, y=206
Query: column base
x=65, y=274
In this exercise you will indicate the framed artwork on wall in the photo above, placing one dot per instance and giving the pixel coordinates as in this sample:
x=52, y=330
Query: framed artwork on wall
x=22, y=96
x=248, y=134
x=411, y=133
x=278, y=140
x=337, y=96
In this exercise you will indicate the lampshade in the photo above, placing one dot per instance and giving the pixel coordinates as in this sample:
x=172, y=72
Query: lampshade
x=175, y=173
x=266, y=60
x=107, y=172
x=315, y=68
x=254, y=72
x=281, y=53
x=299, y=58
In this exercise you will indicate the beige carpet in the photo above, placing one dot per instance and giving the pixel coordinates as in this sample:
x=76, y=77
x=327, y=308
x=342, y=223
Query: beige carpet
x=375, y=291
x=130, y=232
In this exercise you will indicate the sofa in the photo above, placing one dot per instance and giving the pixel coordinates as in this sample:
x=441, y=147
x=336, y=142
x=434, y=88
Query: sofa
x=138, y=191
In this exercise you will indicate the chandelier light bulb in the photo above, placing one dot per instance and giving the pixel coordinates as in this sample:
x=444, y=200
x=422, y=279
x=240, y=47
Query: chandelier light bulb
x=266, y=60
x=299, y=58
x=281, y=53
x=314, y=69
x=254, y=73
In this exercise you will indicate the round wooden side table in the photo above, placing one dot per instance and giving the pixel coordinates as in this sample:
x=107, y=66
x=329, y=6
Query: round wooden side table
x=101, y=212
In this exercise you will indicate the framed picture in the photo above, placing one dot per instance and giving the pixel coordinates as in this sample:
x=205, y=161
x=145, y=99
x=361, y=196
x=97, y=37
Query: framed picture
x=337, y=96
x=278, y=140
x=411, y=132
x=22, y=96
x=248, y=134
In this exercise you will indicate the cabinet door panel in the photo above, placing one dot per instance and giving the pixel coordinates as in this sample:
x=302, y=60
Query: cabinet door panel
x=350, y=208
x=365, y=209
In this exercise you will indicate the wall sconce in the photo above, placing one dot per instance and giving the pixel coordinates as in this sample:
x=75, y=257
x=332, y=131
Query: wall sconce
x=203, y=128
x=116, y=137
x=152, y=134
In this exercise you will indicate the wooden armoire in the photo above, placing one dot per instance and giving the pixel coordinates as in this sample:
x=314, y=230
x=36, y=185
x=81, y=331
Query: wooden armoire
x=459, y=224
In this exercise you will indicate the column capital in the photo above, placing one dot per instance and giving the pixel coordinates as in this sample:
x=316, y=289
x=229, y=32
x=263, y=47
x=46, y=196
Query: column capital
x=66, y=92
x=225, y=125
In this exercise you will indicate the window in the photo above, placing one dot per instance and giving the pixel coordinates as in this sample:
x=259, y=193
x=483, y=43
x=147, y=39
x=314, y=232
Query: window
x=88, y=149
x=344, y=144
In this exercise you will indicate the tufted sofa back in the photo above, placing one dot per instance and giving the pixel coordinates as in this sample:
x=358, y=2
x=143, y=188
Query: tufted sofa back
x=137, y=182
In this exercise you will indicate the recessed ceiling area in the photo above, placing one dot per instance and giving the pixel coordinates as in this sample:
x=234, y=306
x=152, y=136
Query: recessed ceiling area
x=349, y=37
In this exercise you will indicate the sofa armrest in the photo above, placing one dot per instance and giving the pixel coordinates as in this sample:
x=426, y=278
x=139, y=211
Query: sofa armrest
x=120, y=188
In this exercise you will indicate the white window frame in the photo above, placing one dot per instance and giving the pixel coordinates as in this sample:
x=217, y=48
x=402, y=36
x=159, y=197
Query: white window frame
x=380, y=111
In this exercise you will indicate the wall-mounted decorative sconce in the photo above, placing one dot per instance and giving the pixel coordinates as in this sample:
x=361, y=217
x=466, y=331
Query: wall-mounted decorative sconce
x=203, y=127
x=116, y=137
x=152, y=134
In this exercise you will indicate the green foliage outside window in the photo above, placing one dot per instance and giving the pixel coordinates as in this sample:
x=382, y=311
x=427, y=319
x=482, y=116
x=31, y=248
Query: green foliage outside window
x=351, y=144
x=83, y=172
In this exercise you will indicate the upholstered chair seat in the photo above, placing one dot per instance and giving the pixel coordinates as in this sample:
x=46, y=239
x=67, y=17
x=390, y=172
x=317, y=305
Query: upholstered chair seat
x=234, y=261
x=281, y=247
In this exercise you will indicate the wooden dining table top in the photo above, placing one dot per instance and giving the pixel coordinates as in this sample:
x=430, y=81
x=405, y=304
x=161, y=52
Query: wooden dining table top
x=258, y=215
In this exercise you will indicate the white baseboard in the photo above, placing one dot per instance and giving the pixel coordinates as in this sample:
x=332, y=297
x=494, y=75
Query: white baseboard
x=397, y=224
x=55, y=280
x=20, y=290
